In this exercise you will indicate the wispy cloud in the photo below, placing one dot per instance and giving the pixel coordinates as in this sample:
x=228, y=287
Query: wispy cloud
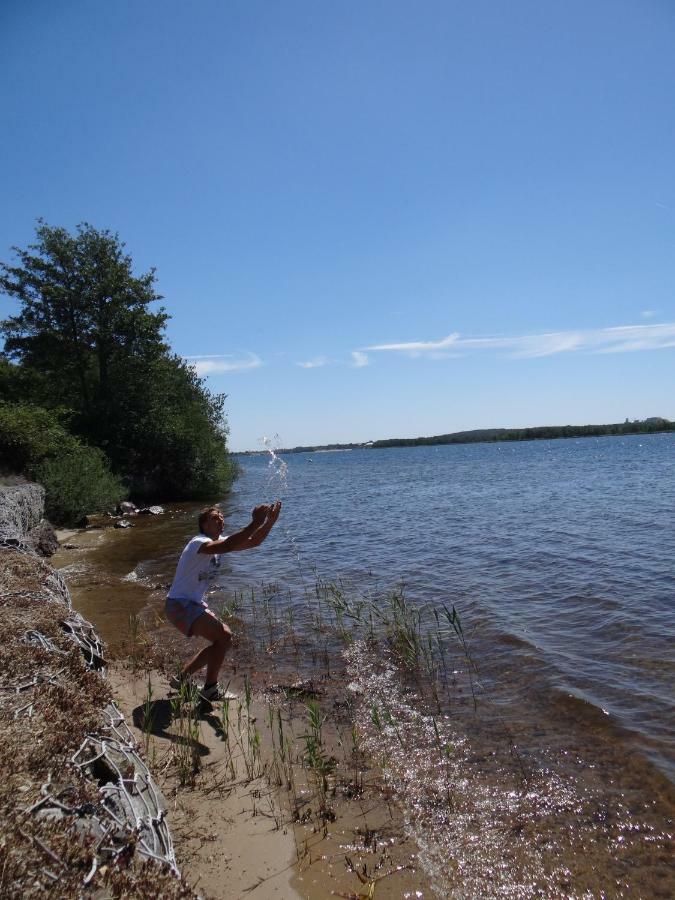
x=620, y=339
x=648, y=313
x=225, y=362
x=314, y=363
x=359, y=359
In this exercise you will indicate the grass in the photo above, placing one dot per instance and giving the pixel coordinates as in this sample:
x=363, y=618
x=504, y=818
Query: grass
x=316, y=760
x=186, y=718
x=52, y=856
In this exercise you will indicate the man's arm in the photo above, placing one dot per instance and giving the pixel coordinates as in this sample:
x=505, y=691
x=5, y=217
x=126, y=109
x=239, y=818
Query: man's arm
x=261, y=533
x=262, y=520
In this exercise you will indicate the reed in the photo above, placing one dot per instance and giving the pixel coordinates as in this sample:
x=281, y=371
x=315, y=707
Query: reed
x=185, y=715
x=148, y=716
x=319, y=763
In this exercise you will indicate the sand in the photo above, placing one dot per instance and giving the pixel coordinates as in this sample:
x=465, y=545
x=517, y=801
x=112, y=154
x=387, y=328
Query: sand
x=232, y=839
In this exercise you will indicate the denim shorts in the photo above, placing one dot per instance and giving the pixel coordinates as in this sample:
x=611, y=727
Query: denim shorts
x=184, y=613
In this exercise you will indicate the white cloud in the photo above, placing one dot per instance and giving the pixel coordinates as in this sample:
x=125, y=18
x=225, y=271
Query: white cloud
x=359, y=359
x=314, y=363
x=416, y=348
x=226, y=362
x=620, y=339
x=648, y=313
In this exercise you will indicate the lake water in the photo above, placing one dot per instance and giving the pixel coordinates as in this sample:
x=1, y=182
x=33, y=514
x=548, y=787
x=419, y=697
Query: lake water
x=559, y=556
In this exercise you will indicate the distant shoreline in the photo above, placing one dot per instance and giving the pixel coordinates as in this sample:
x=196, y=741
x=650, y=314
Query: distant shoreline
x=653, y=425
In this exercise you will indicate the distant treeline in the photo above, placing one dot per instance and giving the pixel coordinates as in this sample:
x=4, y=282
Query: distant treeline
x=543, y=432
x=491, y=435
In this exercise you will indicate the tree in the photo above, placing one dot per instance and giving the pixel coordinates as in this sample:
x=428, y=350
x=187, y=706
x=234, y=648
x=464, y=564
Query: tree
x=83, y=313
x=86, y=339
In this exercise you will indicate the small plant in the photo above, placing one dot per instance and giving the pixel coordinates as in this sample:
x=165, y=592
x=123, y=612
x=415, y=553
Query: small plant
x=148, y=716
x=185, y=711
x=319, y=763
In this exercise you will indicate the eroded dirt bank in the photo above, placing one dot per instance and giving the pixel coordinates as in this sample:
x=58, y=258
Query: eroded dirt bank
x=79, y=812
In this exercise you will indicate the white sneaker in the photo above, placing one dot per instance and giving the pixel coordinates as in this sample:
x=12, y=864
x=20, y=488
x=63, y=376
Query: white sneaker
x=214, y=693
x=228, y=695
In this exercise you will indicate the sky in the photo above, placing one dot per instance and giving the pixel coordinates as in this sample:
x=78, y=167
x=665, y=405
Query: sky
x=373, y=219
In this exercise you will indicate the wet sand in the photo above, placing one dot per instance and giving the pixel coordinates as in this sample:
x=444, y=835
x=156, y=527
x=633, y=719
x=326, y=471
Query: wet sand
x=236, y=836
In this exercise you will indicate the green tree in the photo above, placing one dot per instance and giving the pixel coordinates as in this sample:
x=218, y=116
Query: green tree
x=83, y=312
x=29, y=434
x=87, y=338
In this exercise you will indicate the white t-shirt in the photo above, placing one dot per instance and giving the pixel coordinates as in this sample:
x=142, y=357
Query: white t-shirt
x=195, y=571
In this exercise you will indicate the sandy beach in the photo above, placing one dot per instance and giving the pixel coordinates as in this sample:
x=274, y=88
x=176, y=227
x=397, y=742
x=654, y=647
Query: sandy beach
x=232, y=838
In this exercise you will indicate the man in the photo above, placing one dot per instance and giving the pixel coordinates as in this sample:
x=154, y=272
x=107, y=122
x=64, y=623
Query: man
x=197, y=567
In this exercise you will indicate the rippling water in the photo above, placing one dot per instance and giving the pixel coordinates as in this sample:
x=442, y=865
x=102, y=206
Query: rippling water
x=559, y=557
x=559, y=553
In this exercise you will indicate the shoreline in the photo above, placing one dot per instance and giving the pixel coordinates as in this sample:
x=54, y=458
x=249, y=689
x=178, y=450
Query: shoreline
x=480, y=436
x=224, y=835
x=545, y=817
x=323, y=827
x=80, y=812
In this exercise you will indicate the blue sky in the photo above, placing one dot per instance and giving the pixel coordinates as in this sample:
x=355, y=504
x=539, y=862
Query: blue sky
x=369, y=219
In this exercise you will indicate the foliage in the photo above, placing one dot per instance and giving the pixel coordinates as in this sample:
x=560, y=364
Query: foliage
x=86, y=339
x=76, y=478
x=29, y=434
x=78, y=483
x=543, y=432
x=82, y=312
x=170, y=433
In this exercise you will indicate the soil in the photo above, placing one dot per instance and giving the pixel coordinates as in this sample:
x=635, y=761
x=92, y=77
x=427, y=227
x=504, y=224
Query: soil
x=228, y=842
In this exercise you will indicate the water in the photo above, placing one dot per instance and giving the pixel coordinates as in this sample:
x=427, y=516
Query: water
x=559, y=554
x=559, y=557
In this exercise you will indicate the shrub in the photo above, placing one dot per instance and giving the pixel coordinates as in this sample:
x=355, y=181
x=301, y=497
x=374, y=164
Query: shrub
x=76, y=478
x=78, y=483
x=29, y=434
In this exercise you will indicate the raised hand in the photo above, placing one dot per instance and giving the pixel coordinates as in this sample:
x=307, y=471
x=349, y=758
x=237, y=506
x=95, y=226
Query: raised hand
x=260, y=513
x=275, y=509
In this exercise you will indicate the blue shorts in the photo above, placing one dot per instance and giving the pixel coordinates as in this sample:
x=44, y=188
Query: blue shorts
x=184, y=613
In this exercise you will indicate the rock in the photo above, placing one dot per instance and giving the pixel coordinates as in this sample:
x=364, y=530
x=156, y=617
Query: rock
x=43, y=539
x=124, y=523
x=21, y=509
x=127, y=508
x=300, y=688
x=151, y=511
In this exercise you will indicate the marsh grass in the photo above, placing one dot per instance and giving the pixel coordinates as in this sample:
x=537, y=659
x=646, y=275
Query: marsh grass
x=319, y=763
x=312, y=779
x=148, y=717
x=185, y=708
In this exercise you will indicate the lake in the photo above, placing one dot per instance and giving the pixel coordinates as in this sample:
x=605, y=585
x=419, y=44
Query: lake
x=559, y=556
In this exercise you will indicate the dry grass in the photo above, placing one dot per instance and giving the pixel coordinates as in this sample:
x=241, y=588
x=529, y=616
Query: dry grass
x=49, y=702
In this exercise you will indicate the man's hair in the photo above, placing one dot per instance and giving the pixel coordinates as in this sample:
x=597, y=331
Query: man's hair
x=204, y=515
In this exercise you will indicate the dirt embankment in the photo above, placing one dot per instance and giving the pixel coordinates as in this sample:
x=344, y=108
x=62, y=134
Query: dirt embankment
x=80, y=814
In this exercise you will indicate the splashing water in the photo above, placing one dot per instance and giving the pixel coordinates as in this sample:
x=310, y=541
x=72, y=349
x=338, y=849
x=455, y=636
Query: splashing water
x=278, y=468
x=278, y=478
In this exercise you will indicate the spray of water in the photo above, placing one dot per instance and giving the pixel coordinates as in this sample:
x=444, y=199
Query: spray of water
x=278, y=468
x=277, y=485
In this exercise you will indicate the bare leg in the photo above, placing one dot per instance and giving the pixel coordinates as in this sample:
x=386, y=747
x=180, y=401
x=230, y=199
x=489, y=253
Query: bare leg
x=207, y=626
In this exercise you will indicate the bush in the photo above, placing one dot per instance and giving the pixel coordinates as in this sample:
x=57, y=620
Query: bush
x=78, y=483
x=29, y=434
x=76, y=478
